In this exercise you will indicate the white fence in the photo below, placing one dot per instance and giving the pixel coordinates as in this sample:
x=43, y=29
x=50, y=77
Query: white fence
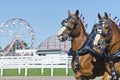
x=25, y=62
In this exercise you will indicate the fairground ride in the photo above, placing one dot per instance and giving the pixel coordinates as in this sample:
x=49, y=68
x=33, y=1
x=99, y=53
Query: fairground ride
x=15, y=34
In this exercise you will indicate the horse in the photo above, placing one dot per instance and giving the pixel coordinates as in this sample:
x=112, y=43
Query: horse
x=107, y=40
x=84, y=66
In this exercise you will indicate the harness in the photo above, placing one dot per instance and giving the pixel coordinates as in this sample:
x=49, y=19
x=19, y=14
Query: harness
x=112, y=58
x=87, y=47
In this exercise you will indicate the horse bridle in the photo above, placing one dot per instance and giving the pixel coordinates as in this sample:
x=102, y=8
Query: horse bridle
x=104, y=35
x=70, y=28
x=101, y=24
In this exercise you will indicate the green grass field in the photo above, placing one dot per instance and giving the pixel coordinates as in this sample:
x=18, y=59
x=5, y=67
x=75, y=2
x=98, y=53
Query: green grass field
x=37, y=72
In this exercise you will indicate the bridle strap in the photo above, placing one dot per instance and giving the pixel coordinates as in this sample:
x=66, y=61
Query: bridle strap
x=102, y=34
x=71, y=29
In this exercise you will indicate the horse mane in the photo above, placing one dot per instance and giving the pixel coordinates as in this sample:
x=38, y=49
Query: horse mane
x=115, y=30
x=116, y=21
x=82, y=22
x=115, y=24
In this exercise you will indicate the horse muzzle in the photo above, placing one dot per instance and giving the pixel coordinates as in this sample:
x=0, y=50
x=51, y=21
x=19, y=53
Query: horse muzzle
x=61, y=38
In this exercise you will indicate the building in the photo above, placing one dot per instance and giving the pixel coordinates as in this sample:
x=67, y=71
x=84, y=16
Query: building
x=53, y=46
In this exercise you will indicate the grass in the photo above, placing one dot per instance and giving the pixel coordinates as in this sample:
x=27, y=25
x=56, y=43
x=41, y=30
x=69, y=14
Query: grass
x=10, y=72
x=37, y=72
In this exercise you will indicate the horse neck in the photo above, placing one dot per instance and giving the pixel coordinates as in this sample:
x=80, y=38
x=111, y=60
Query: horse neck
x=115, y=32
x=78, y=41
x=115, y=41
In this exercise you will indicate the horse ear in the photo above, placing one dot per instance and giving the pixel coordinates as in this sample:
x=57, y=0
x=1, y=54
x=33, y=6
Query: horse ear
x=106, y=16
x=69, y=13
x=99, y=16
x=77, y=13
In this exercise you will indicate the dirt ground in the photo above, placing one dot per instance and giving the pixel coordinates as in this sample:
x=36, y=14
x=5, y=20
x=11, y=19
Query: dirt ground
x=39, y=78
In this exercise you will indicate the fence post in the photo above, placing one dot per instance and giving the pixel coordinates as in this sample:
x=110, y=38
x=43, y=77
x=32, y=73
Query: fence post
x=26, y=65
x=1, y=67
x=52, y=66
x=19, y=63
x=66, y=57
x=42, y=69
x=42, y=65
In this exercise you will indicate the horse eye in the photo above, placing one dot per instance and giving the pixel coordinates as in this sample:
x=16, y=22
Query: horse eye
x=107, y=27
x=96, y=29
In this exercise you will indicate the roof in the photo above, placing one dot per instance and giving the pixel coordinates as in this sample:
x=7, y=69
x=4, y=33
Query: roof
x=52, y=43
x=52, y=51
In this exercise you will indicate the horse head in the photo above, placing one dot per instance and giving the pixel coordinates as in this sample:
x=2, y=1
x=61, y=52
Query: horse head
x=70, y=27
x=107, y=33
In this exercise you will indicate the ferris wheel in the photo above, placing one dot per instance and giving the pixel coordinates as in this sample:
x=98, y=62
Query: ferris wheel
x=16, y=33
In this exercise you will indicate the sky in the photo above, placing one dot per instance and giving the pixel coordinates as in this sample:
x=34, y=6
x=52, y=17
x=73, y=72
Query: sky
x=45, y=16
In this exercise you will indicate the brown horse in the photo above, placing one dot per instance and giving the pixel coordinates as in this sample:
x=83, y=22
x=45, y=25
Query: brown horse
x=88, y=67
x=108, y=35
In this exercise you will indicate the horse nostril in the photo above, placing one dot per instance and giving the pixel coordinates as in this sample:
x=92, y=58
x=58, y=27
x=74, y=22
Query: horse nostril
x=58, y=36
x=98, y=43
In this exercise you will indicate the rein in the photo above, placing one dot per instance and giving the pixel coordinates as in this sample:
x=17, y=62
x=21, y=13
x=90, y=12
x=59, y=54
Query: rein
x=112, y=43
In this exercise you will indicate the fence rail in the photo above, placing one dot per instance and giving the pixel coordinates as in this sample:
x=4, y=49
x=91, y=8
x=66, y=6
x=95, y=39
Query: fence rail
x=25, y=62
